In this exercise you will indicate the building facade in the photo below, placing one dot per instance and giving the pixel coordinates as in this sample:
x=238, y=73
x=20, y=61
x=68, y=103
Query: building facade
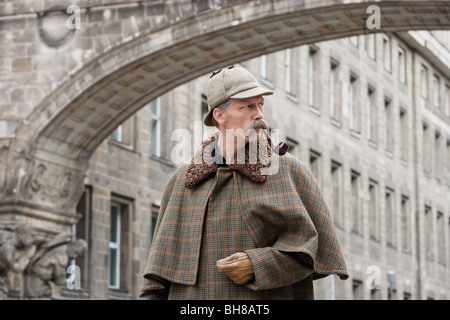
x=370, y=115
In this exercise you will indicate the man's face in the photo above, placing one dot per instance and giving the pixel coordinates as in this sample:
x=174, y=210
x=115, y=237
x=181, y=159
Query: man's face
x=241, y=113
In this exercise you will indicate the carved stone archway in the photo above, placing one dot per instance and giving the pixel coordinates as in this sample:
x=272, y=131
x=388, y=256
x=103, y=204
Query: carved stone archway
x=42, y=166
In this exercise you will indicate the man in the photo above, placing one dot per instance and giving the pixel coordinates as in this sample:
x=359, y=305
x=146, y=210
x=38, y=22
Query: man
x=226, y=230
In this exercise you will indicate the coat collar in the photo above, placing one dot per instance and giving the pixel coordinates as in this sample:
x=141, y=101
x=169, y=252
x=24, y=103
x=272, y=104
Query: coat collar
x=205, y=163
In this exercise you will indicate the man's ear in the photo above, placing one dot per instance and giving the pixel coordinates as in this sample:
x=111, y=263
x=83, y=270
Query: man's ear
x=218, y=115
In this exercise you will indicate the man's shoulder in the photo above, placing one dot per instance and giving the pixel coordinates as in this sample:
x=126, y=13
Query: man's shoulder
x=177, y=175
x=290, y=162
x=181, y=169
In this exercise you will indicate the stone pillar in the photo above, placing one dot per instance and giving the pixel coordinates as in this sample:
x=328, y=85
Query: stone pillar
x=37, y=210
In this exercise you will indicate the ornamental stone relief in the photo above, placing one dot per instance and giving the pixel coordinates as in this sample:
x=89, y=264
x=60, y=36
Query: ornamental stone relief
x=31, y=270
x=55, y=185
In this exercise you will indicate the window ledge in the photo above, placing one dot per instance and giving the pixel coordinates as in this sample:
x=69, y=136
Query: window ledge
x=163, y=161
x=314, y=110
x=357, y=233
x=119, y=294
x=292, y=97
x=267, y=83
x=404, y=162
x=406, y=251
x=122, y=145
x=355, y=134
x=373, y=144
x=335, y=122
x=389, y=153
x=72, y=294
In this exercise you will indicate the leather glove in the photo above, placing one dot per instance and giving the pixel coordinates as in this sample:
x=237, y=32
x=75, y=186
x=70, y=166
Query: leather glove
x=237, y=267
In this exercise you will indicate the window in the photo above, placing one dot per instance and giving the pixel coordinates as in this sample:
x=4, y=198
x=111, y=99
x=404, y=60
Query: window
x=371, y=45
x=371, y=115
x=446, y=98
x=263, y=66
x=387, y=51
x=353, y=103
x=448, y=164
x=291, y=66
x=82, y=231
x=357, y=290
x=437, y=157
x=114, y=247
x=436, y=87
x=287, y=70
x=426, y=151
x=401, y=65
x=336, y=177
x=448, y=233
x=154, y=218
x=375, y=294
x=440, y=223
x=155, y=106
x=374, y=223
x=429, y=248
x=315, y=165
x=390, y=218
x=204, y=112
x=119, y=258
x=354, y=40
x=356, y=202
x=117, y=134
x=265, y=72
x=392, y=289
x=392, y=294
x=313, y=72
x=389, y=125
x=404, y=135
x=424, y=83
x=406, y=224
x=124, y=133
x=334, y=91
x=294, y=147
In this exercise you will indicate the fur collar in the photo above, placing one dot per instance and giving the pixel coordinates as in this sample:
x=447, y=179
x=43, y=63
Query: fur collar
x=201, y=168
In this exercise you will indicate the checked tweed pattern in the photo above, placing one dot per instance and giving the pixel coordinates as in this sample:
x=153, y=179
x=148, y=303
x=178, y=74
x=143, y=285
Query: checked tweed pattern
x=283, y=224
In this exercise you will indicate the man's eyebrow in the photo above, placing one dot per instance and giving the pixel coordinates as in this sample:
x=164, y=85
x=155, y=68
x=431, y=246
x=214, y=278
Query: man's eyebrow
x=249, y=100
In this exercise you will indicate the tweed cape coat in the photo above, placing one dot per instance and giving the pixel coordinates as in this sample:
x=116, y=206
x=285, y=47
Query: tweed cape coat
x=209, y=212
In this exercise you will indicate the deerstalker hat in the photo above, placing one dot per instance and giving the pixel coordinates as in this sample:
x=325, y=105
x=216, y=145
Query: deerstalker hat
x=231, y=83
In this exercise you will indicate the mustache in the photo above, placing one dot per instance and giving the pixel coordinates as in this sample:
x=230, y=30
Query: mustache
x=257, y=124
x=279, y=149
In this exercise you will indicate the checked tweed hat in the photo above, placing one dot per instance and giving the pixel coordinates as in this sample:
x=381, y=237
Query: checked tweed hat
x=231, y=83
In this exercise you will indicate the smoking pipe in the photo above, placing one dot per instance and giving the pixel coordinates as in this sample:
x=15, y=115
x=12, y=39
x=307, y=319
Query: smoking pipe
x=280, y=149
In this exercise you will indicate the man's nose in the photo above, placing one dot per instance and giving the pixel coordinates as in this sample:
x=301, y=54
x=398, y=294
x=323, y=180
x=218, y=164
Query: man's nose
x=259, y=114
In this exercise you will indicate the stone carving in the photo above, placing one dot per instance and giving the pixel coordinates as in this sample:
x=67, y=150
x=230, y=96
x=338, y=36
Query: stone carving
x=53, y=185
x=28, y=270
x=64, y=189
x=37, y=180
x=47, y=269
x=13, y=174
x=16, y=249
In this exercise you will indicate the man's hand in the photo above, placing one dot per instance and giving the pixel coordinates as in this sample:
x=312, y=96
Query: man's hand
x=237, y=267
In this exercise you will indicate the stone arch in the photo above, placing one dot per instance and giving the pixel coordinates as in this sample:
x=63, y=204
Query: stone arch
x=95, y=99
x=66, y=127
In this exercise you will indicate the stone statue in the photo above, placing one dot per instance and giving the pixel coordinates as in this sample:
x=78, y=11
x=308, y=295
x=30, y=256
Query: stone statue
x=16, y=250
x=31, y=271
x=47, y=269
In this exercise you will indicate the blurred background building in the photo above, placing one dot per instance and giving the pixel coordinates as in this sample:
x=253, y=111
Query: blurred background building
x=369, y=114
